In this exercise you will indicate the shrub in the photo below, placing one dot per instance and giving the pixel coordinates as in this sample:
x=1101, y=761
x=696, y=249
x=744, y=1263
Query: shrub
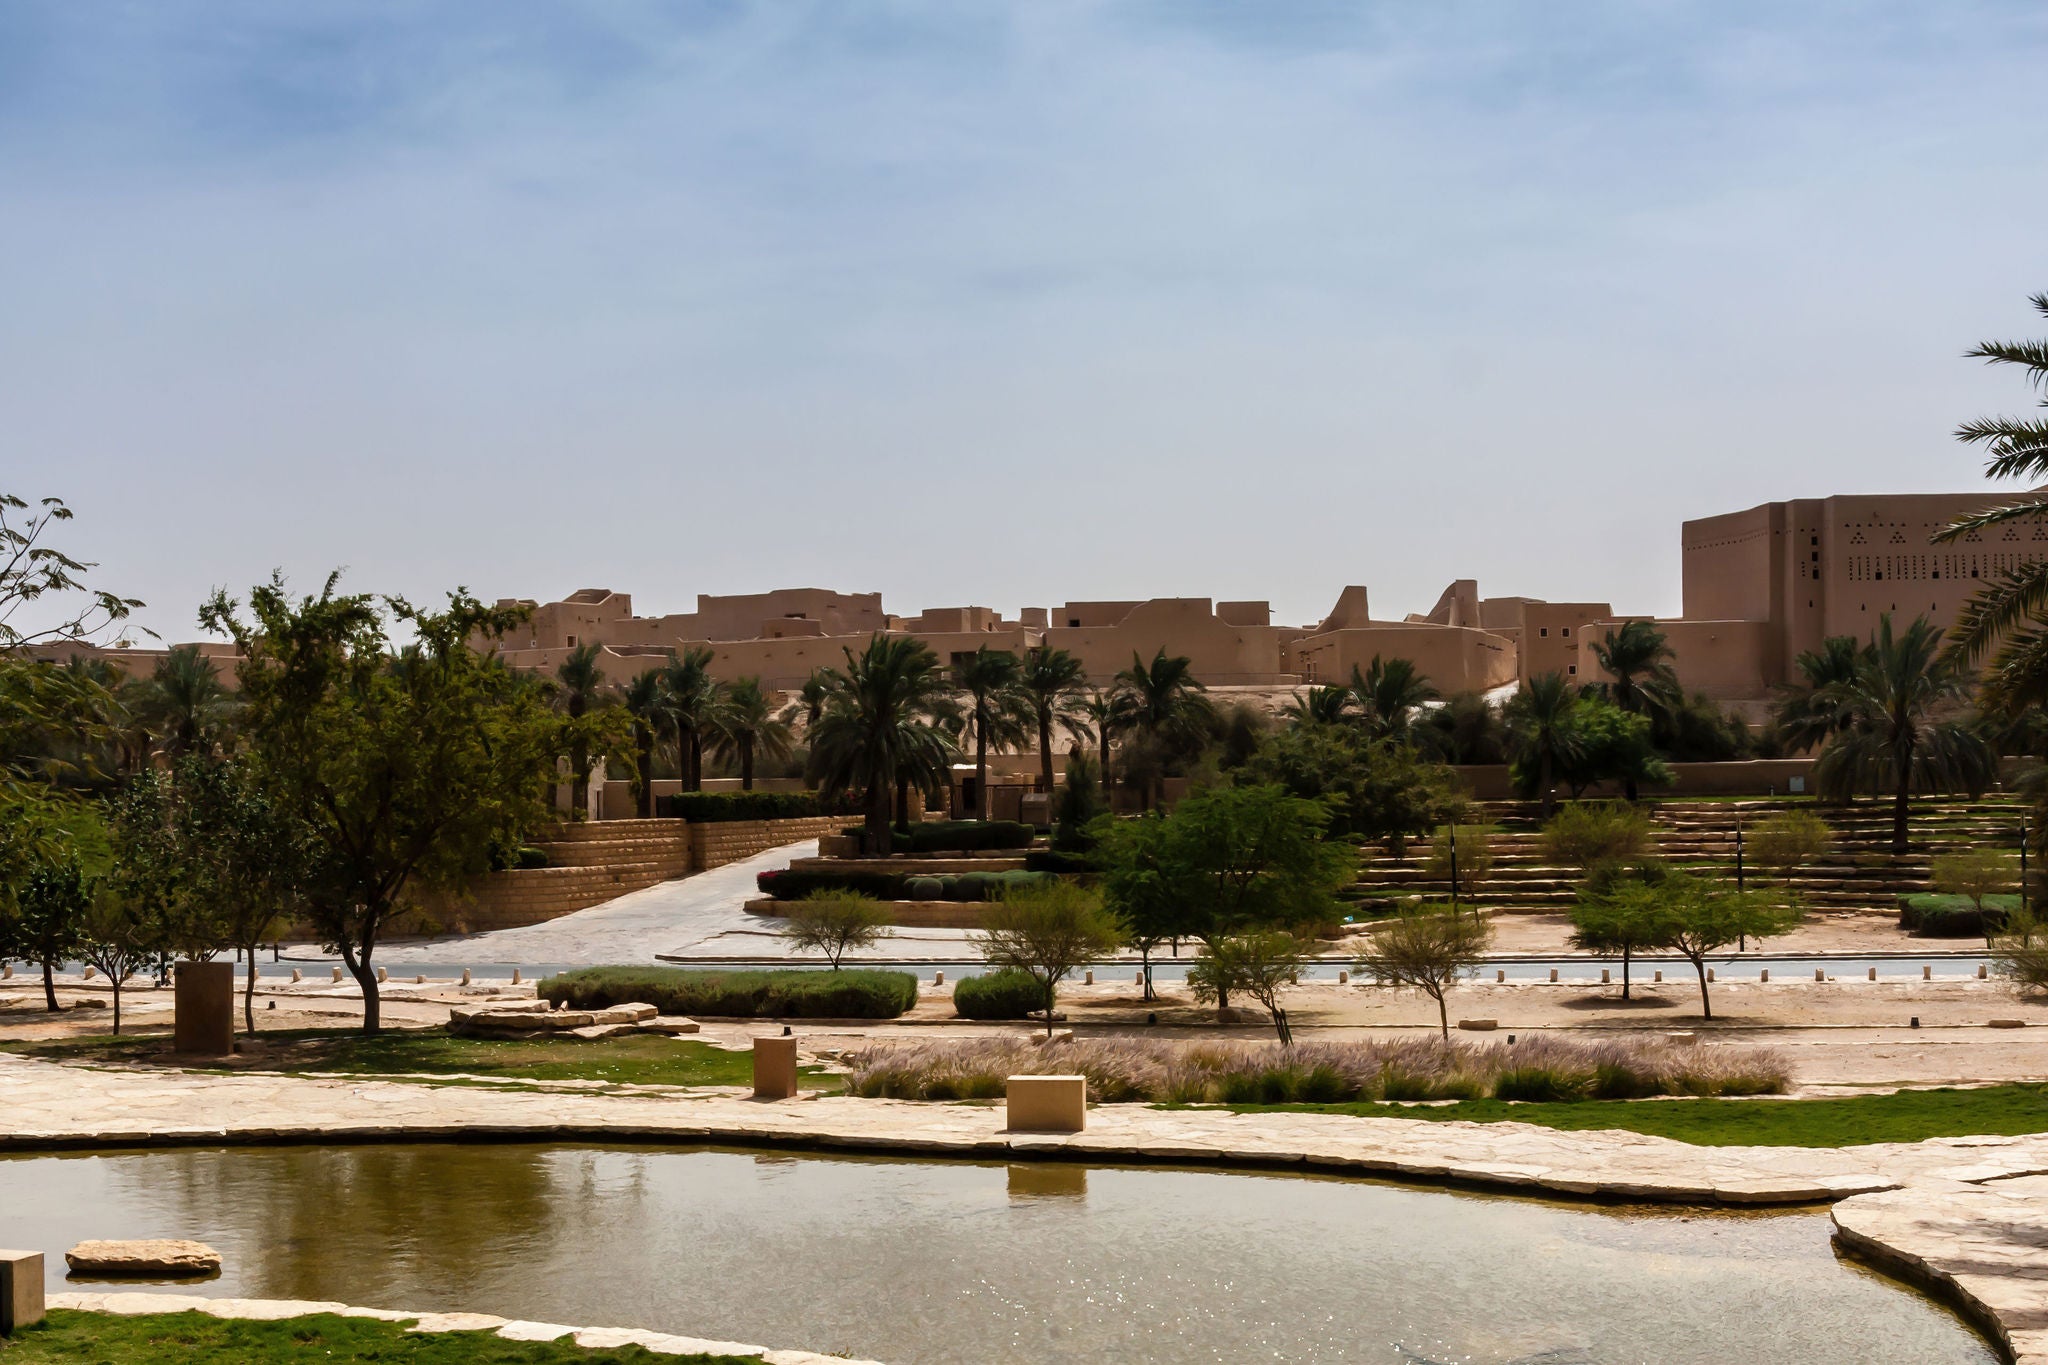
x=943, y=836
x=1057, y=861
x=757, y=994
x=923, y=888
x=1539, y=1084
x=791, y=884
x=1007, y=994
x=527, y=858
x=1935, y=916
x=715, y=807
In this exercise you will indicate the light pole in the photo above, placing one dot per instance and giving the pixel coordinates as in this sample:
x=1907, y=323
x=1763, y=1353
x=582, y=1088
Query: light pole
x=1453, y=828
x=1742, y=941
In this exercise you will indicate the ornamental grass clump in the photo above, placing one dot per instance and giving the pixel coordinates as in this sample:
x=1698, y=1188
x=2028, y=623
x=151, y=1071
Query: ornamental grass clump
x=1407, y=1069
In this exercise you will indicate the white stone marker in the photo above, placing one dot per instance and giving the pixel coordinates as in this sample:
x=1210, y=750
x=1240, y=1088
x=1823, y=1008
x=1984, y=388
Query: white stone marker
x=6, y=971
x=1980, y=971
x=87, y=976
x=419, y=981
x=1657, y=976
x=337, y=973
x=938, y=978
x=1819, y=974
x=1605, y=979
x=465, y=976
x=382, y=975
x=1710, y=975
x=297, y=975
x=21, y=1290
x=1553, y=973
x=515, y=976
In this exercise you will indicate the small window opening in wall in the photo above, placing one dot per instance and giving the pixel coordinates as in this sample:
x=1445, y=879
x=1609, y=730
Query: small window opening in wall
x=1566, y=632
x=1813, y=540
x=1543, y=630
x=1074, y=621
x=572, y=642
x=1572, y=669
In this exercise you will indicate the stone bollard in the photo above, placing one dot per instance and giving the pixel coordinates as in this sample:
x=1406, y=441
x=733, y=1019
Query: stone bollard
x=297, y=975
x=6, y=971
x=775, y=1068
x=938, y=978
x=1710, y=976
x=1981, y=973
x=21, y=1290
x=1553, y=974
x=515, y=976
x=1926, y=972
x=1873, y=973
x=1657, y=975
x=1764, y=975
x=86, y=975
x=203, y=1008
x=1605, y=979
x=419, y=981
x=1046, y=1104
x=1137, y=978
x=465, y=976
x=1088, y=978
x=1343, y=978
x=337, y=973
x=1499, y=977
x=382, y=976
x=1820, y=974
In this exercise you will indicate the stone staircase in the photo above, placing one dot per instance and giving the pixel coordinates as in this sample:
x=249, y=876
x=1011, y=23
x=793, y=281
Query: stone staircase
x=1859, y=873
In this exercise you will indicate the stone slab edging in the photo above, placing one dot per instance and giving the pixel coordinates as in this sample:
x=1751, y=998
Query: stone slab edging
x=132, y=1304
x=1929, y=1209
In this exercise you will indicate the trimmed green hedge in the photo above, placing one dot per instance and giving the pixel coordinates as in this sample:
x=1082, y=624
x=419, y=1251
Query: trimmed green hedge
x=714, y=807
x=1007, y=994
x=791, y=884
x=850, y=994
x=944, y=836
x=1058, y=860
x=1936, y=916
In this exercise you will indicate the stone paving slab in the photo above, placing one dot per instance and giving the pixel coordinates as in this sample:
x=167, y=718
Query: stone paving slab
x=1969, y=1214
x=594, y=1338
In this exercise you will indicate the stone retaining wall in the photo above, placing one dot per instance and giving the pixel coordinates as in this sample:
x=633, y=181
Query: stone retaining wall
x=902, y=914
x=716, y=843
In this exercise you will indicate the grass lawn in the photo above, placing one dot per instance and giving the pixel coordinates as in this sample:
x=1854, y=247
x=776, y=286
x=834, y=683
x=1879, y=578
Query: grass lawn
x=199, y=1339
x=635, y=1059
x=1907, y=1116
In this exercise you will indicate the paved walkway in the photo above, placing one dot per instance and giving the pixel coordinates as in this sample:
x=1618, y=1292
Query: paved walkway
x=699, y=916
x=594, y=1338
x=1968, y=1215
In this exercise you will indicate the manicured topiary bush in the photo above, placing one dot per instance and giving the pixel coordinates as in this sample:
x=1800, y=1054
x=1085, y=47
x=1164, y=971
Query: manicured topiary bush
x=923, y=888
x=792, y=884
x=1007, y=994
x=713, y=807
x=851, y=994
x=1935, y=916
x=948, y=836
x=1057, y=861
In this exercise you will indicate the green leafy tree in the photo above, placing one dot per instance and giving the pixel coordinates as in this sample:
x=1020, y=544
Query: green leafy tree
x=119, y=935
x=1622, y=909
x=646, y=701
x=1589, y=835
x=1976, y=874
x=1140, y=883
x=1323, y=706
x=1541, y=739
x=32, y=569
x=1787, y=841
x=1704, y=917
x=1077, y=804
x=1613, y=745
x=1051, y=683
x=1164, y=706
x=1259, y=964
x=882, y=727
x=1050, y=930
x=580, y=684
x=185, y=704
x=747, y=728
x=808, y=707
x=1430, y=949
x=1380, y=790
x=1466, y=729
x=1902, y=726
x=406, y=772
x=1810, y=712
x=1463, y=856
x=52, y=899
x=997, y=714
x=834, y=923
x=1637, y=660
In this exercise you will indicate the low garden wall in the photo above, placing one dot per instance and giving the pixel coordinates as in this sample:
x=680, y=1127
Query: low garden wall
x=901, y=914
x=729, y=841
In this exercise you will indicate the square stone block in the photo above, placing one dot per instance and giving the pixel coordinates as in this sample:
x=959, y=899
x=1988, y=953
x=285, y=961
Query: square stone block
x=21, y=1290
x=774, y=1068
x=1047, y=1104
x=203, y=1018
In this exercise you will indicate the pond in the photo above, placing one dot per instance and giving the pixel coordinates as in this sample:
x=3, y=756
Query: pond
x=910, y=1261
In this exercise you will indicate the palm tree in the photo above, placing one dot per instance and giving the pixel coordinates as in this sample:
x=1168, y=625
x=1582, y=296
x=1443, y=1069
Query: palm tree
x=579, y=683
x=2011, y=610
x=1050, y=682
x=185, y=705
x=693, y=697
x=998, y=714
x=1539, y=721
x=646, y=699
x=878, y=729
x=1638, y=660
x=1322, y=706
x=746, y=727
x=1163, y=703
x=1103, y=717
x=1389, y=694
x=1896, y=734
x=1805, y=719
x=808, y=707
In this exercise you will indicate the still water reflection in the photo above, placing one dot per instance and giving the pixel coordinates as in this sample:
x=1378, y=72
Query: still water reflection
x=913, y=1262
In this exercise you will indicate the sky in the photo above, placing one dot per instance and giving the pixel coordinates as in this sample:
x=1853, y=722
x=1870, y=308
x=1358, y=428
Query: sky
x=1006, y=302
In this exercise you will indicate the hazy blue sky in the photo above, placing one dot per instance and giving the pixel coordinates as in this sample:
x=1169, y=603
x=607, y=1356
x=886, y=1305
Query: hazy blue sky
x=995, y=303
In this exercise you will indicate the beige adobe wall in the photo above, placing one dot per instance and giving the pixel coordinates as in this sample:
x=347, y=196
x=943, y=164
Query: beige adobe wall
x=1219, y=652
x=1727, y=660
x=1245, y=613
x=1453, y=658
x=136, y=662
x=1079, y=615
x=1551, y=633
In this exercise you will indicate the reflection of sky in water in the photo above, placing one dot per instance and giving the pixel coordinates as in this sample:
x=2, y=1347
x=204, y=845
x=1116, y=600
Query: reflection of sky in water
x=910, y=1262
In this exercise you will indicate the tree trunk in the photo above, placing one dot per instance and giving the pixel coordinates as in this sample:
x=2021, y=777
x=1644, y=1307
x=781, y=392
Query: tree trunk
x=49, y=985
x=249, y=995
x=1045, y=752
x=366, y=977
x=696, y=761
x=1280, y=1026
x=1900, y=805
x=980, y=771
x=114, y=979
x=1050, y=990
x=1706, y=1005
x=1443, y=1016
x=746, y=765
x=1625, y=951
x=878, y=819
x=1628, y=788
x=646, y=805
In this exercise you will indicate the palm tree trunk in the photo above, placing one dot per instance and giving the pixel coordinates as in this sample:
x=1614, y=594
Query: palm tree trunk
x=1543, y=778
x=1045, y=752
x=878, y=819
x=1625, y=951
x=696, y=761
x=746, y=765
x=980, y=771
x=1900, y=806
x=646, y=805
